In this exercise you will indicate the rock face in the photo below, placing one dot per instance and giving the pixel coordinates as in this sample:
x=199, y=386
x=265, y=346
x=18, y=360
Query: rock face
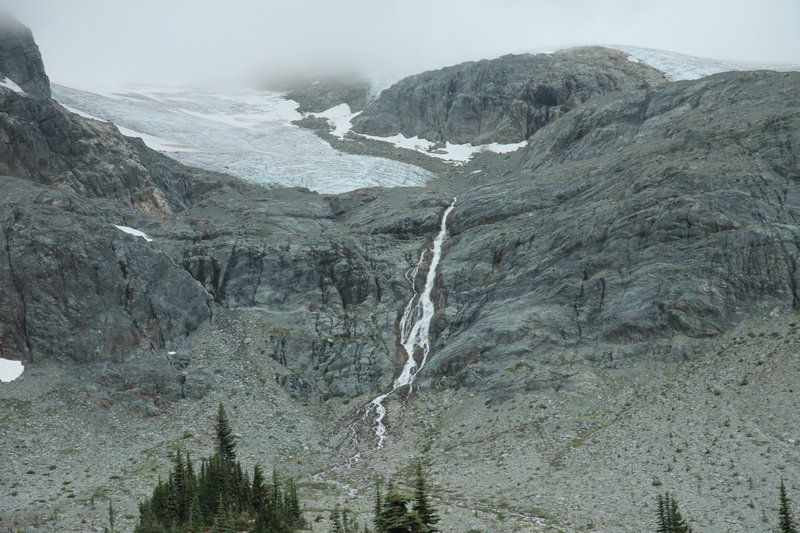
x=20, y=59
x=43, y=142
x=318, y=95
x=78, y=288
x=640, y=224
x=502, y=100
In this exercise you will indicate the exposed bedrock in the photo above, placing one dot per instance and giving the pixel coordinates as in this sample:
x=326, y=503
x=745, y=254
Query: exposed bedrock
x=502, y=100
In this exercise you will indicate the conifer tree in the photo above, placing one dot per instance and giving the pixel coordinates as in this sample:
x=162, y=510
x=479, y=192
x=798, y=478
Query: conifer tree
x=336, y=520
x=226, y=445
x=112, y=517
x=258, y=490
x=786, y=523
x=220, y=496
x=395, y=515
x=663, y=521
x=422, y=506
x=669, y=517
x=378, y=509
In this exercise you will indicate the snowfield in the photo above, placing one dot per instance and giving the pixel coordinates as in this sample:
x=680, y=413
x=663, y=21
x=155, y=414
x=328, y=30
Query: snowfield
x=245, y=133
x=682, y=67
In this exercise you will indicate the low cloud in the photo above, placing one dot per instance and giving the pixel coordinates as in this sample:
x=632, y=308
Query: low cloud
x=88, y=42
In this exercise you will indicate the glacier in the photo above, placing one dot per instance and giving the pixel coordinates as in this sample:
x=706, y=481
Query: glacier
x=246, y=133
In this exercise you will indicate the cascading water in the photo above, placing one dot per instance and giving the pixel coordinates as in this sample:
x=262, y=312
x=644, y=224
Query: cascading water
x=414, y=329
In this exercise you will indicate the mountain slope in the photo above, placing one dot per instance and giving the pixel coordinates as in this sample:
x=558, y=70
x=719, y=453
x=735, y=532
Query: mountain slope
x=502, y=100
x=20, y=60
x=642, y=228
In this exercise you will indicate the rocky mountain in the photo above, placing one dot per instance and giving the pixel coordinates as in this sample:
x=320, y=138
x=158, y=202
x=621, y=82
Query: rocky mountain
x=503, y=100
x=613, y=309
x=641, y=224
x=20, y=59
x=318, y=95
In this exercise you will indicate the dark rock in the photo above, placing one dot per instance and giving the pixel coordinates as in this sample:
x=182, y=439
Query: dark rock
x=318, y=95
x=20, y=60
x=502, y=100
x=77, y=288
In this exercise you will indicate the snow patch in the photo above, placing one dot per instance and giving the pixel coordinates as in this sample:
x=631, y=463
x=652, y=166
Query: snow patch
x=459, y=153
x=8, y=84
x=341, y=117
x=134, y=232
x=10, y=370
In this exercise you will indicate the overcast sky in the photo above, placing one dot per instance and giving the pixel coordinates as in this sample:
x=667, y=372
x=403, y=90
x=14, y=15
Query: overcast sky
x=93, y=42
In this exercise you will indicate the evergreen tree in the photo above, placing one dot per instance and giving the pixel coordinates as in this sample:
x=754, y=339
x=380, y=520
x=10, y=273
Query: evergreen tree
x=112, y=517
x=663, y=521
x=378, y=509
x=226, y=445
x=220, y=496
x=669, y=517
x=336, y=521
x=422, y=506
x=395, y=515
x=258, y=490
x=786, y=523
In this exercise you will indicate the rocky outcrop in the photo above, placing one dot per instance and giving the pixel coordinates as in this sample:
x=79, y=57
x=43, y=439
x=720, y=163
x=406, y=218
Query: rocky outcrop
x=20, y=60
x=77, y=288
x=640, y=225
x=502, y=100
x=318, y=95
x=43, y=142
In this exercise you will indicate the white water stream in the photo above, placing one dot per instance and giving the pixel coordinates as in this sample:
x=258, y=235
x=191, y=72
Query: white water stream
x=415, y=340
x=414, y=329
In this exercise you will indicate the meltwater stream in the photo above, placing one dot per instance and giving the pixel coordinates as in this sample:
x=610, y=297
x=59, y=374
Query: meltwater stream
x=414, y=329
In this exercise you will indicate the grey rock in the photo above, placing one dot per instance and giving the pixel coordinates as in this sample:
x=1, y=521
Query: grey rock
x=502, y=100
x=78, y=288
x=315, y=96
x=20, y=59
x=641, y=224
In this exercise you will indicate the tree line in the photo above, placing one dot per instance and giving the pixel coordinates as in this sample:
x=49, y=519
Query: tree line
x=220, y=495
x=670, y=520
x=395, y=511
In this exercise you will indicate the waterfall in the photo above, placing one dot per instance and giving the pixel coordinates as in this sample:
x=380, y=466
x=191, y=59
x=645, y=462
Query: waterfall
x=414, y=328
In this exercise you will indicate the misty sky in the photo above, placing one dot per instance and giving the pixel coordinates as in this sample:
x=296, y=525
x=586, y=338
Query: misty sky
x=88, y=43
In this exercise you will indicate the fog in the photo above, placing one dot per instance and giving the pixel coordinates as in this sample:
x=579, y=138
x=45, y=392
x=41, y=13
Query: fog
x=87, y=43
